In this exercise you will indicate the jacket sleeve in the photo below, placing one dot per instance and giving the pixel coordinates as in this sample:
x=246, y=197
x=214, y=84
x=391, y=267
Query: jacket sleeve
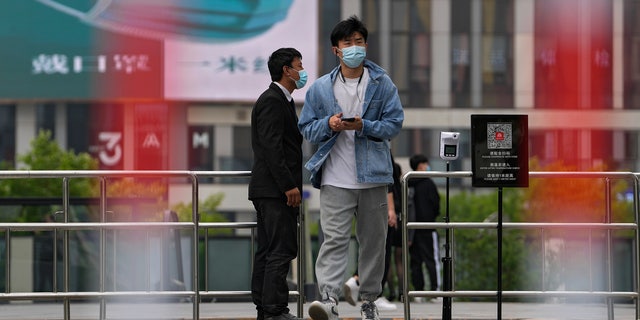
x=313, y=122
x=389, y=122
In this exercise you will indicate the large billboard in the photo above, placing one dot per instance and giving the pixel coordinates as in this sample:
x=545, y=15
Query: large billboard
x=228, y=68
x=149, y=49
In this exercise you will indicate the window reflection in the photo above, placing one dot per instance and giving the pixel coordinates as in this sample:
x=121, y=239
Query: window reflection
x=482, y=53
x=632, y=54
x=8, y=134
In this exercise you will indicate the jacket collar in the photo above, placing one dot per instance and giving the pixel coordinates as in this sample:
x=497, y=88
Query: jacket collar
x=375, y=71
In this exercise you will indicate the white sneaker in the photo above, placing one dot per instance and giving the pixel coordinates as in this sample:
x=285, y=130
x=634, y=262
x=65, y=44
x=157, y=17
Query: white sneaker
x=383, y=304
x=325, y=310
x=369, y=311
x=351, y=290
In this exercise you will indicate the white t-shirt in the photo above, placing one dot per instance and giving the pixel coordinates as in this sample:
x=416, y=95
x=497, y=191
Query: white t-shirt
x=340, y=167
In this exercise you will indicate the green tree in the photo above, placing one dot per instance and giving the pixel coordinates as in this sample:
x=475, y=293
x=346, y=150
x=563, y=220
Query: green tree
x=45, y=154
x=208, y=212
x=476, y=250
x=545, y=200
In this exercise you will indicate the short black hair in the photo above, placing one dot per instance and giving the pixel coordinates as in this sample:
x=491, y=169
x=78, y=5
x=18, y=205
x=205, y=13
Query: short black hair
x=346, y=28
x=417, y=159
x=280, y=58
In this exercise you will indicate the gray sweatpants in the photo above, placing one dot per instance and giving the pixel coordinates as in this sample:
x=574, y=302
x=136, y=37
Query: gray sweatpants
x=337, y=209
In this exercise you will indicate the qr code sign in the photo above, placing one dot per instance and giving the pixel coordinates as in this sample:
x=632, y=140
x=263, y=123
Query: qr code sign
x=499, y=136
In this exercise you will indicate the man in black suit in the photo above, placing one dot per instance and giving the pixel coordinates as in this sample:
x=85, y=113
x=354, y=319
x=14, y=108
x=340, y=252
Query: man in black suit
x=276, y=183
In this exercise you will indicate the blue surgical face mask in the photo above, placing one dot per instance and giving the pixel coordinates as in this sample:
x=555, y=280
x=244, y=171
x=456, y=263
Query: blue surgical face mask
x=353, y=56
x=303, y=78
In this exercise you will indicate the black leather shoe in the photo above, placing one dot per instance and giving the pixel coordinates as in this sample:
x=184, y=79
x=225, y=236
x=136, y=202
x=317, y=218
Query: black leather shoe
x=284, y=316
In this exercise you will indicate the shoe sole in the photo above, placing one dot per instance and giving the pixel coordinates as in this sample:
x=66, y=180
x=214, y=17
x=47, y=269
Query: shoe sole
x=317, y=312
x=387, y=308
x=347, y=295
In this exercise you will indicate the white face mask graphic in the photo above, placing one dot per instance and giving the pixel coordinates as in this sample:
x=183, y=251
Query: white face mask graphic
x=194, y=19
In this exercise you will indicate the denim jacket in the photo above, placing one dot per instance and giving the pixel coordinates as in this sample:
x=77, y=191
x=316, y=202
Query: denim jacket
x=382, y=118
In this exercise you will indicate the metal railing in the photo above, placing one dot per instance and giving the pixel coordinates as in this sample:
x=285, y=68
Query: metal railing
x=66, y=226
x=607, y=225
x=194, y=227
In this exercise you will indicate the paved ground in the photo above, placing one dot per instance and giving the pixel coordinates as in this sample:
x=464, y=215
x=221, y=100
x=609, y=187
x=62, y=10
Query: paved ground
x=244, y=310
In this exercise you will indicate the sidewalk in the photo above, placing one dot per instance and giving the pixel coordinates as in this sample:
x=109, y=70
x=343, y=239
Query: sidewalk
x=244, y=310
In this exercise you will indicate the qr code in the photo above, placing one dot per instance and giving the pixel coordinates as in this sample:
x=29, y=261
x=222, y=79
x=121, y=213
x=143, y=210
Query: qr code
x=499, y=136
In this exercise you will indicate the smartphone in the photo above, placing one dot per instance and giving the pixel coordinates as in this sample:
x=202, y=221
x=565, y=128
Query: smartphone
x=348, y=119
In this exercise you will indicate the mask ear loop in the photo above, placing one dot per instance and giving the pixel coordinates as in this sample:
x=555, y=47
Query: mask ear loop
x=335, y=52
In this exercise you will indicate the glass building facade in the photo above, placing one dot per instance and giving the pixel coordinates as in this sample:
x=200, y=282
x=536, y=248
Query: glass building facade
x=573, y=66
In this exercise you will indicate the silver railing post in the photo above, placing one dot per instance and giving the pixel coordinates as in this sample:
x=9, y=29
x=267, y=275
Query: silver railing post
x=103, y=245
x=405, y=255
x=636, y=209
x=195, y=218
x=65, y=247
x=7, y=273
x=608, y=265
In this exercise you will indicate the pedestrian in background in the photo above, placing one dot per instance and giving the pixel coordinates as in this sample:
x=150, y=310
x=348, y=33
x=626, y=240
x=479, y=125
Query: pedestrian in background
x=423, y=245
x=396, y=271
x=276, y=183
x=351, y=113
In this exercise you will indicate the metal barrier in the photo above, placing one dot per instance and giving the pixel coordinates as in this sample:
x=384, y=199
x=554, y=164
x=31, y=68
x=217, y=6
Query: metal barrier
x=194, y=226
x=608, y=226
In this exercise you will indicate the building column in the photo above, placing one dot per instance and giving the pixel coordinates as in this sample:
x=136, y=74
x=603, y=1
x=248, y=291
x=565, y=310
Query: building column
x=25, y=128
x=349, y=8
x=476, y=54
x=385, y=34
x=441, y=52
x=61, y=125
x=618, y=54
x=222, y=145
x=523, y=54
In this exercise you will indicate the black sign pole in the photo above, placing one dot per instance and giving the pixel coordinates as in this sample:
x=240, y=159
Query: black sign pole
x=446, y=261
x=500, y=159
x=499, y=253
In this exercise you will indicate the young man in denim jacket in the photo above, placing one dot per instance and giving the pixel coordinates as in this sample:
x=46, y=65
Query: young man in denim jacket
x=351, y=113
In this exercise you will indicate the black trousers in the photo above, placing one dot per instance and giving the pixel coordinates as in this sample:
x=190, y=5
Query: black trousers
x=422, y=251
x=277, y=246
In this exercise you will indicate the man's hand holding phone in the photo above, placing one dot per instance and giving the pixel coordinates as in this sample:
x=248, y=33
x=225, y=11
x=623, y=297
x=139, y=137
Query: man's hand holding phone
x=351, y=123
x=339, y=123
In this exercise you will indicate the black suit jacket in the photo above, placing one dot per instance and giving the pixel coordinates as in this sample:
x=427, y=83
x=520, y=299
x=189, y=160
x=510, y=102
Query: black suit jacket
x=277, y=146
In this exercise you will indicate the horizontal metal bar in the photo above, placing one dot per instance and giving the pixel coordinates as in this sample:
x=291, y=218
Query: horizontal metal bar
x=522, y=293
x=581, y=174
x=182, y=173
x=36, y=226
x=73, y=201
x=532, y=174
x=83, y=295
x=236, y=293
x=227, y=225
x=117, y=173
x=520, y=225
x=25, y=226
